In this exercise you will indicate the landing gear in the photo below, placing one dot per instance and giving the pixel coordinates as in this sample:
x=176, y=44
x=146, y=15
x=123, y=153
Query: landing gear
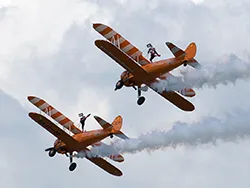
x=185, y=63
x=111, y=135
x=72, y=165
x=52, y=152
x=140, y=99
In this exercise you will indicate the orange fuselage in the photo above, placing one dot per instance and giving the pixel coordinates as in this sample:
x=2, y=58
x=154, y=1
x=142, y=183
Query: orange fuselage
x=156, y=69
x=85, y=139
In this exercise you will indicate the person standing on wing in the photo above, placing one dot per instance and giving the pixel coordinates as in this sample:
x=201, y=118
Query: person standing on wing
x=83, y=119
x=152, y=51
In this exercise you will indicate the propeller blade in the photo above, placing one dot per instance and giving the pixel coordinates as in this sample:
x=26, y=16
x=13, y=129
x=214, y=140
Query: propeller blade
x=48, y=149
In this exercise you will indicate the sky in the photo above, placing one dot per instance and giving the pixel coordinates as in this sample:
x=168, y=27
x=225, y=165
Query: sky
x=47, y=50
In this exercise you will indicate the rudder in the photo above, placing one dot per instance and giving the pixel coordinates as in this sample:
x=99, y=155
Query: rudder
x=117, y=124
x=190, y=51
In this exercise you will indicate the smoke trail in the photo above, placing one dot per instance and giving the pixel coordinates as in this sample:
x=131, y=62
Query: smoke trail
x=228, y=70
x=208, y=131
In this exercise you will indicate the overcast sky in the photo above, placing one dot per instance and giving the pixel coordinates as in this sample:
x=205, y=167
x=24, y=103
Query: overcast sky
x=47, y=49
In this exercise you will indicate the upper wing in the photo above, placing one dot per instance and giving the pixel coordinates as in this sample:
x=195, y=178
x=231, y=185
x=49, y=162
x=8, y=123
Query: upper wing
x=124, y=60
x=105, y=165
x=121, y=43
x=54, y=113
x=53, y=129
x=176, y=99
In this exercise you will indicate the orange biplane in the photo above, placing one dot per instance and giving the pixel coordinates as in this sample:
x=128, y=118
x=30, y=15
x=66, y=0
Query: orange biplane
x=79, y=141
x=140, y=71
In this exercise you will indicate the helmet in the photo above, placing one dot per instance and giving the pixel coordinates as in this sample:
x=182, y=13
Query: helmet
x=149, y=45
x=80, y=114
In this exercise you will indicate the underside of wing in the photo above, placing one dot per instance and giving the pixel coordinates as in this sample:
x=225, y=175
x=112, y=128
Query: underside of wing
x=54, y=130
x=124, y=60
x=121, y=43
x=105, y=166
x=177, y=100
x=54, y=113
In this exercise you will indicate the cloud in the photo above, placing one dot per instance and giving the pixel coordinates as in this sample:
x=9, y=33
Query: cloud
x=48, y=46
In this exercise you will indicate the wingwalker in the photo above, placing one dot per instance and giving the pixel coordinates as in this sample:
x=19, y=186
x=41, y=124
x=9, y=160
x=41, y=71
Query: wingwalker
x=80, y=140
x=140, y=71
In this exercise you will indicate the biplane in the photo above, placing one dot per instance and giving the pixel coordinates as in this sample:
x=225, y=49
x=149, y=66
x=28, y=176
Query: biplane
x=76, y=140
x=140, y=72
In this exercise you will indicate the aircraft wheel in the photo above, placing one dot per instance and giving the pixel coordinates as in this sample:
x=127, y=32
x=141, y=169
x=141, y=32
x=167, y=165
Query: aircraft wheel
x=52, y=152
x=111, y=136
x=141, y=100
x=185, y=64
x=72, y=166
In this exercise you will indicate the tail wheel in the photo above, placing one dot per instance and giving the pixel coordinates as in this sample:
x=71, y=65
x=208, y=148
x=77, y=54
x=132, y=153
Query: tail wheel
x=52, y=152
x=72, y=166
x=111, y=135
x=141, y=100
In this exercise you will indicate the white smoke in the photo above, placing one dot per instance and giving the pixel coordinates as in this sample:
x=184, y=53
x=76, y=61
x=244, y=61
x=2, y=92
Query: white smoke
x=228, y=70
x=209, y=130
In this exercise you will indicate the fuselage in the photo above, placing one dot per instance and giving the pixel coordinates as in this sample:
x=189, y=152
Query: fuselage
x=85, y=139
x=156, y=69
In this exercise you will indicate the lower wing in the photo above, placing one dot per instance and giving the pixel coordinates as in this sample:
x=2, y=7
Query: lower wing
x=105, y=165
x=176, y=99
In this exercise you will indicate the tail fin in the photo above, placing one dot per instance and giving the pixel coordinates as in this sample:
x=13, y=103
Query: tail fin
x=118, y=122
x=115, y=127
x=190, y=51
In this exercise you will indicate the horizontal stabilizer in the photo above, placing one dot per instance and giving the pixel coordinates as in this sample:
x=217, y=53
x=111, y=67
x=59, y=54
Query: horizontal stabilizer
x=177, y=52
x=103, y=123
x=193, y=63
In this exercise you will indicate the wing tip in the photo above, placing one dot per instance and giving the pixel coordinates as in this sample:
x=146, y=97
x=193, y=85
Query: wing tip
x=95, y=25
x=31, y=97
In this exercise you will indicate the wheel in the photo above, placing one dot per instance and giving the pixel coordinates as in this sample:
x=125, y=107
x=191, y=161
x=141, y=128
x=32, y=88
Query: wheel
x=111, y=136
x=140, y=100
x=185, y=63
x=72, y=166
x=52, y=152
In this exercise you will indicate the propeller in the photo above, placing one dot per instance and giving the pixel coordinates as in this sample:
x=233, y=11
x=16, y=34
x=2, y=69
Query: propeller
x=48, y=149
x=119, y=85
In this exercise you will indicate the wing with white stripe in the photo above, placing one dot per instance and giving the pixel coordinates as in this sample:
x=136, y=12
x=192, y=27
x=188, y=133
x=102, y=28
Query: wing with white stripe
x=120, y=42
x=54, y=113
